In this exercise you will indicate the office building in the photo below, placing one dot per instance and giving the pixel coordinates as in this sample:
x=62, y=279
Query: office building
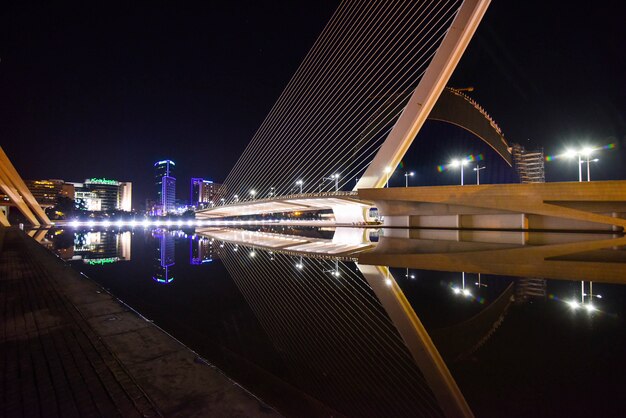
x=165, y=187
x=100, y=194
x=203, y=192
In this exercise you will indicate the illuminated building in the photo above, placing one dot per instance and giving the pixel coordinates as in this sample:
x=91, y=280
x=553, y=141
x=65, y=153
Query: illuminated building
x=164, y=256
x=47, y=191
x=165, y=185
x=99, y=194
x=201, y=251
x=203, y=192
x=102, y=247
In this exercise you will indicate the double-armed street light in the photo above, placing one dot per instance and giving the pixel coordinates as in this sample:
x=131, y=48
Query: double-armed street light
x=336, y=178
x=406, y=178
x=477, y=170
x=300, y=183
x=584, y=156
x=252, y=194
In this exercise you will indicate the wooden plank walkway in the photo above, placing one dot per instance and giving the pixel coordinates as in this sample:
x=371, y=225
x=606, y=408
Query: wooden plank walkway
x=68, y=348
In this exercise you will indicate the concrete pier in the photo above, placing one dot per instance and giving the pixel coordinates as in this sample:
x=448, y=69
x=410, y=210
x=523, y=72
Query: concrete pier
x=69, y=348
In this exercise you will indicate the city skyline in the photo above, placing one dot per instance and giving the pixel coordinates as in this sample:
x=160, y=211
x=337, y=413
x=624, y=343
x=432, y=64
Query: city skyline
x=193, y=88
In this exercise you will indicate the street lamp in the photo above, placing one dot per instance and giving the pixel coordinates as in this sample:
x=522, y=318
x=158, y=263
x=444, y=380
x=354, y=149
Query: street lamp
x=388, y=172
x=459, y=163
x=271, y=193
x=236, y=197
x=406, y=178
x=252, y=193
x=586, y=153
x=477, y=170
x=336, y=178
x=300, y=183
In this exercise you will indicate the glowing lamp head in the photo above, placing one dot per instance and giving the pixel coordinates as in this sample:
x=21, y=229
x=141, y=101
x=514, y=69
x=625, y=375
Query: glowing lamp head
x=586, y=151
x=570, y=153
x=387, y=170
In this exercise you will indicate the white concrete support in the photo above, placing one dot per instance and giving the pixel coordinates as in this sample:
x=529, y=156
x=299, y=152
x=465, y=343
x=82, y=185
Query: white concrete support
x=350, y=214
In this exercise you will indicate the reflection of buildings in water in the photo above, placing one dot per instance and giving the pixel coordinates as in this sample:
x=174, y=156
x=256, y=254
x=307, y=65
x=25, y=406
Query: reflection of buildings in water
x=201, y=250
x=336, y=339
x=102, y=247
x=164, y=257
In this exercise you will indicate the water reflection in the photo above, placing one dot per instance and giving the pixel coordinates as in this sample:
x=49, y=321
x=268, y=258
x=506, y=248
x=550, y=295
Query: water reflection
x=416, y=338
x=164, y=258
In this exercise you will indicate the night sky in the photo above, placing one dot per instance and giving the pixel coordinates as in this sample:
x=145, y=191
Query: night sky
x=106, y=90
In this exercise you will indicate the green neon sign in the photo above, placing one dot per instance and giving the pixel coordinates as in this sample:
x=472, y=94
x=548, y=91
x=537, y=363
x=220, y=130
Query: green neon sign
x=100, y=261
x=103, y=181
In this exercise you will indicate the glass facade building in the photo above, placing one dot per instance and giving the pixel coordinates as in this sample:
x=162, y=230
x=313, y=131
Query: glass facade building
x=165, y=187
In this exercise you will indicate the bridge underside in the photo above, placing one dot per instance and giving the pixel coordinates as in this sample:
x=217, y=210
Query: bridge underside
x=346, y=206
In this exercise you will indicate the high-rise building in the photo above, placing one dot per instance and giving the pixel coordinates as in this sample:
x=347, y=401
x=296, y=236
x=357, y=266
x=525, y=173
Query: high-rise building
x=203, y=192
x=47, y=191
x=165, y=187
x=99, y=194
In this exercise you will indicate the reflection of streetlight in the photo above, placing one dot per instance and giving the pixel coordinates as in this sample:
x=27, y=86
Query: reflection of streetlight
x=299, y=264
x=479, y=283
x=409, y=276
x=462, y=290
x=388, y=172
x=300, y=183
x=406, y=178
x=334, y=272
x=459, y=163
x=588, y=305
x=477, y=170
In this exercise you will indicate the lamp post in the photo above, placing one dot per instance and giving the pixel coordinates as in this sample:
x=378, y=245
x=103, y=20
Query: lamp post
x=271, y=193
x=300, y=183
x=388, y=172
x=336, y=178
x=252, y=193
x=477, y=170
x=406, y=178
x=459, y=163
x=236, y=197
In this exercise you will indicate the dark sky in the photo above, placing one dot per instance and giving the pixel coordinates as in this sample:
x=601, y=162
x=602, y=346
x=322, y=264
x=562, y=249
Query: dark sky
x=106, y=90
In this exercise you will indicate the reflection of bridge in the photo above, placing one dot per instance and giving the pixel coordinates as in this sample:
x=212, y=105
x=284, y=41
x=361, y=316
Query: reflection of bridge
x=595, y=257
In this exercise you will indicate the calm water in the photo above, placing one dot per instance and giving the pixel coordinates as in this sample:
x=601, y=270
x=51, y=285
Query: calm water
x=319, y=336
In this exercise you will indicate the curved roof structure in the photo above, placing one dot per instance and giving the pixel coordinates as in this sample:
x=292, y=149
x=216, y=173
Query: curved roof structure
x=457, y=108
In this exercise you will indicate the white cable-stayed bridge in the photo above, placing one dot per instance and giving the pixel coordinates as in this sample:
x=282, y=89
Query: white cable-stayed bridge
x=354, y=106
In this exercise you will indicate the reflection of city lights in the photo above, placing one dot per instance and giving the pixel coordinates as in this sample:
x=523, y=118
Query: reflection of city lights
x=252, y=254
x=456, y=290
x=299, y=266
x=466, y=292
x=573, y=304
x=590, y=308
